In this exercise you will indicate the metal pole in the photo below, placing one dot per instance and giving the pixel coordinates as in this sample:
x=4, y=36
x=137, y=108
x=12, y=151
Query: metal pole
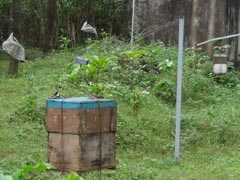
x=133, y=22
x=179, y=88
x=239, y=30
x=218, y=39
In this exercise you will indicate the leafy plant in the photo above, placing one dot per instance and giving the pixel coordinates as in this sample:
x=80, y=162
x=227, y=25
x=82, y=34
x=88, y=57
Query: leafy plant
x=5, y=177
x=135, y=99
x=89, y=73
x=98, y=65
x=31, y=171
x=210, y=123
x=73, y=176
x=28, y=172
x=134, y=54
x=96, y=89
x=29, y=110
x=64, y=42
x=166, y=90
x=165, y=65
x=229, y=80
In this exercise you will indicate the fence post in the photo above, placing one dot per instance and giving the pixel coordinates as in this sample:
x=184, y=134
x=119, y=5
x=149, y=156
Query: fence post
x=13, y=67
x=179, y=88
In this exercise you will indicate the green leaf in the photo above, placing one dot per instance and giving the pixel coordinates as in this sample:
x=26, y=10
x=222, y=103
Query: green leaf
x=42, y=167
x=73, y=176
x=5, y=177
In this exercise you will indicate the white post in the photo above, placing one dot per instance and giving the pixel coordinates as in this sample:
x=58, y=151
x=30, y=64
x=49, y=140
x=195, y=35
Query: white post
x=133, y=22
x=179, y=88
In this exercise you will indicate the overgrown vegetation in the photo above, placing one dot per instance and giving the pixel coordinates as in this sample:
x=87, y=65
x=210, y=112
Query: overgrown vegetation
x=39, y=23
x=142, y=80
x=38, y=171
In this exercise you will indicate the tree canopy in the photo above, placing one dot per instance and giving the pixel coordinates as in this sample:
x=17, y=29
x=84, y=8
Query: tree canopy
x=35, y=21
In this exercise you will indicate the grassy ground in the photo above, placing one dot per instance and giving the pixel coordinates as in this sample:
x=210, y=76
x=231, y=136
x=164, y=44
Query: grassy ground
x=145, y=141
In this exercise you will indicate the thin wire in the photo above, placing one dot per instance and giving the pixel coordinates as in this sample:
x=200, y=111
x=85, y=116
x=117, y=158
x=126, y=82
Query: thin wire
x=100, y=141
x=82, y=120
x=62, y=140
x=46, y=126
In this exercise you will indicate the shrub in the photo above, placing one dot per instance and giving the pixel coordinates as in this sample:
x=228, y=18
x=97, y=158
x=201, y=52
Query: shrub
x=166, y=90
x=229, y=80
x=28, y=112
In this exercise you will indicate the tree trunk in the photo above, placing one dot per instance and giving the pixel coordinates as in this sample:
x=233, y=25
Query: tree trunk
x=232, y=24
x=51, y=31
x=11, y=18
x=13, y=64
x=195, y=22
x=42, y=32
x=73, y=34
x=211, y=25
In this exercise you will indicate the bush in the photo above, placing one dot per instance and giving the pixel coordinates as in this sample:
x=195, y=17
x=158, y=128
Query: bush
x=150, y=70
x=28, y=112
x=229, y=80
x=166, y=90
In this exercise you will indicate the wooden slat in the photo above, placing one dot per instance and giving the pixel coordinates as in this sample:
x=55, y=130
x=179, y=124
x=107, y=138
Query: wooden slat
x=82, y=121
x=81, y=152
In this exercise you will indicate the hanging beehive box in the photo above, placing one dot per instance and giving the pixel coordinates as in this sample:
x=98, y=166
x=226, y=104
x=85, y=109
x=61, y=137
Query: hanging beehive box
x=220, y=64
x=220, y=58
x=81, y=133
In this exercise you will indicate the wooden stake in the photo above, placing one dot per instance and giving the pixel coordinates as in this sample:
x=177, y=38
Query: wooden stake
x=13, y=67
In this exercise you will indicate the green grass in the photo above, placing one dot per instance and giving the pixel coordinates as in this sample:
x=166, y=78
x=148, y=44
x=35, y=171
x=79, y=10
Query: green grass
x=145, y=139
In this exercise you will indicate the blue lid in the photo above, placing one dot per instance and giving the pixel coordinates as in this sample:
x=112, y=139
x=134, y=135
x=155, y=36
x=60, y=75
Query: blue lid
x=80, y=103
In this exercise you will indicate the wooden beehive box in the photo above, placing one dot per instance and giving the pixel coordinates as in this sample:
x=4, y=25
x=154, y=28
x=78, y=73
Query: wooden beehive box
x=81, y=133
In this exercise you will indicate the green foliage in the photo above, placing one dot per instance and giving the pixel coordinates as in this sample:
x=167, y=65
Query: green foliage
x=38, y=171
x=97, y=66
x=30, y=18
x=134, y=54
x=28, y=172
x=73, y=176
x=230, y=80
x=166, y=90
x=91, y=74
x=31, y=171
x=135, y=99
x=29, y=111
x=149, y=70
x=5, y=177
x=143, y=82
x=64, y=42
x=96, y=89
x=111, y=61
x=88, y=73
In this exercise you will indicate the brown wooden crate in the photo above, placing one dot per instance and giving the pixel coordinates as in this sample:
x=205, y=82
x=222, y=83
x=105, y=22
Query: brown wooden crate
x=81, y=121
x=69, y=152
